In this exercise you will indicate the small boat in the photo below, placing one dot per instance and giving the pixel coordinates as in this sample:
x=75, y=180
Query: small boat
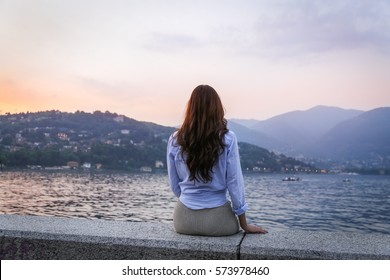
x=347, y=180
x=291, y=179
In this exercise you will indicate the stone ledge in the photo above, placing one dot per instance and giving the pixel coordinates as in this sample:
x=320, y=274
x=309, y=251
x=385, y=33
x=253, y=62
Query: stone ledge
x=316, y=245
x=38, y=237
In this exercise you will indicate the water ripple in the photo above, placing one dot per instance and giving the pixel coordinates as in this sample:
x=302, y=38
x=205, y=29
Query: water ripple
x=317, y=202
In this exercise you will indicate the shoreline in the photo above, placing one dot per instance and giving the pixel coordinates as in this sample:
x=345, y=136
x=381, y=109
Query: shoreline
x=164, y=171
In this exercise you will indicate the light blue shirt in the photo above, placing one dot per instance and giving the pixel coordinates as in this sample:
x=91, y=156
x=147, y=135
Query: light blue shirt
x=227, y=177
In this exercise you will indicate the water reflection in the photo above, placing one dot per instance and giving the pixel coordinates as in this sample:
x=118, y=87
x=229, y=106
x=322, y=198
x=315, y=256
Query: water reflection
x=317, y=202
x=117, y=196
x=321, y=202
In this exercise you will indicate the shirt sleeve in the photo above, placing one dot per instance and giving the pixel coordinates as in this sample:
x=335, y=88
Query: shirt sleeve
x=172, y=172
x=234, y=178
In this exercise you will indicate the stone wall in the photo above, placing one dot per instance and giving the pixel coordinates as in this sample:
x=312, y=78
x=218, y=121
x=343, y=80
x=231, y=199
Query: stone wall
x=38, y=237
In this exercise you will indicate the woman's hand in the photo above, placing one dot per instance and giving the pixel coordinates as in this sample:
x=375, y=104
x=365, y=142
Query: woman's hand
x=248, y=227
x=254, y=229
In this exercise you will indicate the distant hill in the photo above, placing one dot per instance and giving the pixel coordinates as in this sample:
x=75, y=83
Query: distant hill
x=244, y=122
x=113, y=141
x=325, y=134
x=245, y=134
x=55, y=138
x=258, y=159
x=299, y=127
x=364, y=137
x=292, y=132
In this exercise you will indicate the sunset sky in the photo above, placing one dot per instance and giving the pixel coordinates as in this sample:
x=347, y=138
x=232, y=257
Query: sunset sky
x=143, y=58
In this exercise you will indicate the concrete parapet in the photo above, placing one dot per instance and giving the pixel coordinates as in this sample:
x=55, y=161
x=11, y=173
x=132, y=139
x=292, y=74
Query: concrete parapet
x=315, y=245
x=38, y=237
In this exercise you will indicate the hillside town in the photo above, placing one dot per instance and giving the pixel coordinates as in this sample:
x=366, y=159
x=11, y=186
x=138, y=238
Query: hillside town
x=62, y=141
x=57, y=140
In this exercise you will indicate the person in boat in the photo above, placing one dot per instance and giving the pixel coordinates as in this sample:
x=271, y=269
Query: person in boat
x=203, y=166
x=294, y=179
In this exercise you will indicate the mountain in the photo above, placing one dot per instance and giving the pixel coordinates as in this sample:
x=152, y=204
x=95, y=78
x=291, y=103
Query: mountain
x=299, y=127
x=110, y=141
x=258, y=159
x=293, y=132
x=244, y=122
x=328, y=136
x=251, y=136
x=55, y=138
x=364, y=137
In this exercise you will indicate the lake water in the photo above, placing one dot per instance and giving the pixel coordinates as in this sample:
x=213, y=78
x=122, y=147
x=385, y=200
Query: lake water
x=316, y=202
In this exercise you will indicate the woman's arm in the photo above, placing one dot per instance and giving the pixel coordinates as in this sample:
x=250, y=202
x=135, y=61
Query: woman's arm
x=172, y=172
x=248, y=227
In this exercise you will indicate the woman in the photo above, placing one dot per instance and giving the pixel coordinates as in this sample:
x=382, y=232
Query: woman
x=203, y=165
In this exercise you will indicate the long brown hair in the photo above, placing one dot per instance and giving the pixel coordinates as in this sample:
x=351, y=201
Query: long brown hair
x=201, y=135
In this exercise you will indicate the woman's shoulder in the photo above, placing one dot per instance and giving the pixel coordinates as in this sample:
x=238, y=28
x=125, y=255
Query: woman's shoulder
x=230, y=137
x=173, y=138
x=174, y=134
x=173, y=144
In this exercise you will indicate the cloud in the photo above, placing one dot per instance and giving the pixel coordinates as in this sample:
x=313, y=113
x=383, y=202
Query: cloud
x=290, y=28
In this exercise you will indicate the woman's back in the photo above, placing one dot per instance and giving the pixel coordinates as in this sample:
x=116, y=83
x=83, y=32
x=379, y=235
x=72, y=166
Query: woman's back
x=199, y=194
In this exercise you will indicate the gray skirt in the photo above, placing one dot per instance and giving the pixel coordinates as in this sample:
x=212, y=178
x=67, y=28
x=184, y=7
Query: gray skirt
x=219, y=221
